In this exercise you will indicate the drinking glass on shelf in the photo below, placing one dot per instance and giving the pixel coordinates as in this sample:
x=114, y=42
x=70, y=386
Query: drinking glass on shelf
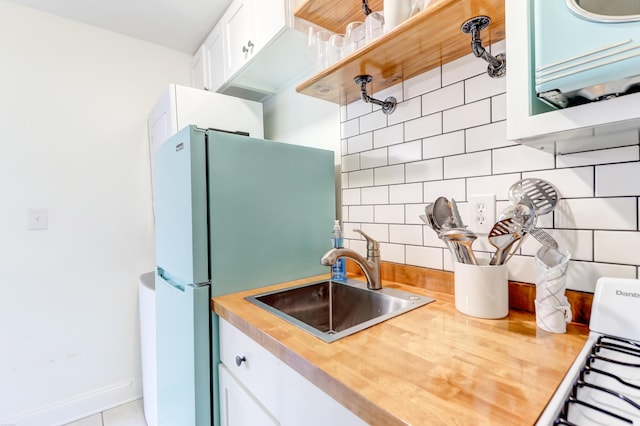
x=354, y=37
x=374, y=26
x=335, y=49
x=317, y=47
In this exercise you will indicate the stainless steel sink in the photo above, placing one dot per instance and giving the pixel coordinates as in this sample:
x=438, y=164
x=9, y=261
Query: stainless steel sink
x=331, y=310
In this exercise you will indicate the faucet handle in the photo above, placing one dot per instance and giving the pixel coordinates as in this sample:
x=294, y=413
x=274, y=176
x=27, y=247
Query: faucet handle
x=373, y=247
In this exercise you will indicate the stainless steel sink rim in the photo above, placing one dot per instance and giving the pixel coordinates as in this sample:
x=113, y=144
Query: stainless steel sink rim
x=410, y=301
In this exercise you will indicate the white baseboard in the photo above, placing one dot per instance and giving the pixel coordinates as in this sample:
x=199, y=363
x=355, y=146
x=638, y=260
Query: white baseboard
x=79, y=407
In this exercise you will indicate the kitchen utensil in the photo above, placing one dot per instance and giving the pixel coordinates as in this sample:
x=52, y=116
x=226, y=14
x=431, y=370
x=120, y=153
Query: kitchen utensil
x=524, y=218
x=543, y=237
x=540, y=193
x=502, y=236
x=428, y=212
x=456, y=215
x=463, y=239
x=442, y=213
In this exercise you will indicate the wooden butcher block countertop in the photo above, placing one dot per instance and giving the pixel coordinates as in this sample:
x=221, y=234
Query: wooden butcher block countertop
x=430, y=366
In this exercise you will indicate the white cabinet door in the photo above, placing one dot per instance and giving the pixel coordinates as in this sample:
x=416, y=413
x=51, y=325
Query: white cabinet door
x=269, y=18
x=215, y=62
x=238, y=33
x=199, y=70
x=237, y=406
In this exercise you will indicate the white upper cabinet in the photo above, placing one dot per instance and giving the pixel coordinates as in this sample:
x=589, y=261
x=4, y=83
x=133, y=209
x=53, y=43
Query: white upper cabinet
x=216, y=65
x=532, y=122
x=254, y=51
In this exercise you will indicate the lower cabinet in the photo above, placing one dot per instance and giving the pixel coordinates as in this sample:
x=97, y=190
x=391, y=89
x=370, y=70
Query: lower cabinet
x=238, y=406
x=256, y=388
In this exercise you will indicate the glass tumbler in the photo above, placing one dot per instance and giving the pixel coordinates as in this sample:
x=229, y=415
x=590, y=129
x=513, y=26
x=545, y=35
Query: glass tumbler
x=374, y=26
x=354, y=37
x=335, y=49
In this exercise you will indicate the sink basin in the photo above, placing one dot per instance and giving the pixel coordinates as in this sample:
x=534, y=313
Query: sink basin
x=331, y=310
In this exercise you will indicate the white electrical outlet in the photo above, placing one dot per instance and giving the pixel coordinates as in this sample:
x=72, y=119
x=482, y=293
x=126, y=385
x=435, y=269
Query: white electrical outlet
x=482, y=211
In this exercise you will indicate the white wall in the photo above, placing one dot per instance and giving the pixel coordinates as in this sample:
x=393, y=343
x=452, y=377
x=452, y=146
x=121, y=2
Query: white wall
x=303, y=120
x=73, y=135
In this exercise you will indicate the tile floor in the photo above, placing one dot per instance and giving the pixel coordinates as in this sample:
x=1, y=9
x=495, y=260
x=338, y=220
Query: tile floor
x=130, y=414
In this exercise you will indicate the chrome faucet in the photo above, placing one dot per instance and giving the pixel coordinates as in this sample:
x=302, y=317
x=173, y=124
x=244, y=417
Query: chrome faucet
x=370, y=266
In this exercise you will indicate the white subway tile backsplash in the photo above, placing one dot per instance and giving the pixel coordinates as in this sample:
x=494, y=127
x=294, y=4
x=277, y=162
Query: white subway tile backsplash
x=489, y=136
x=521, y=158
x=462, y=68
x=442, y=99
x=483, y=86
x=351, y=197
x=377, y=231
x=393, y=213
x=358, y=108
x=405, y=111
x=374, y=158
x=405, y=234
x=406, y=193
x=395, y=91
x=423, y=83
x=603, y=156
x=523, y=269
x=375, y=195
x=426, y=257
x=451, y=188
x=372, y=121
x=350, y=163
x=362, y=214
x=617, y=247
x=496, y=184
x=388, y=136
x=349, y=128
x=577, y=242
x=360, y=178
x=443, y=145
x=597, y=213
x=423, y=127
x=448, y=138
x=467, y=165
x=392, y=253
x=582, y=276
x=618, y=179
x=405, y=152
x=424, y=170
x=412, y=213
x=466, y=116
x=363, y=142
x=571, y=183
x=499, y=108
x=389, y=175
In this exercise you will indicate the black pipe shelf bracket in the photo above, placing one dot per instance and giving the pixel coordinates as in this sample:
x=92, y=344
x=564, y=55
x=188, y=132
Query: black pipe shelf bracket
x=388, y=105
x=497, y=65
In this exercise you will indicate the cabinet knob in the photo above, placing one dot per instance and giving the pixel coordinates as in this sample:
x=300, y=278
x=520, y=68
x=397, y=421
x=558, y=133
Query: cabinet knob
x=240, y=360
x=244, y=49
x=250, y=44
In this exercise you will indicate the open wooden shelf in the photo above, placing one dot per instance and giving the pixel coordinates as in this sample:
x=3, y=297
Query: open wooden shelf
x=427, y=40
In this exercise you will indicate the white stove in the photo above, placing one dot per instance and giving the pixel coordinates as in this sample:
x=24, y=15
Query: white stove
x=602, y=387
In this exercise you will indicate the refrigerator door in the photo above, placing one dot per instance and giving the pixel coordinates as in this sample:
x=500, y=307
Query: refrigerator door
x=182, y=253
x=183, y=358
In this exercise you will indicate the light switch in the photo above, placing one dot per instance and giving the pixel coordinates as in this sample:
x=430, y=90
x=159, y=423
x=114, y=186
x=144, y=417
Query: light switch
x=38, y=219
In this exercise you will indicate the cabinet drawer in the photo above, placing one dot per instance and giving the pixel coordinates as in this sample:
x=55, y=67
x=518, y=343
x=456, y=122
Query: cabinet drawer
x=258, y=372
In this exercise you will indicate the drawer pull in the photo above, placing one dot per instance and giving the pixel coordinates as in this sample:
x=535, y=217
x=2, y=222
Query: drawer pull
x=240, y=360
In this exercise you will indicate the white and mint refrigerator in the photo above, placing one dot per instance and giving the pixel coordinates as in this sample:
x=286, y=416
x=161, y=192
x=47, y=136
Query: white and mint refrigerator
x=231, y=213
